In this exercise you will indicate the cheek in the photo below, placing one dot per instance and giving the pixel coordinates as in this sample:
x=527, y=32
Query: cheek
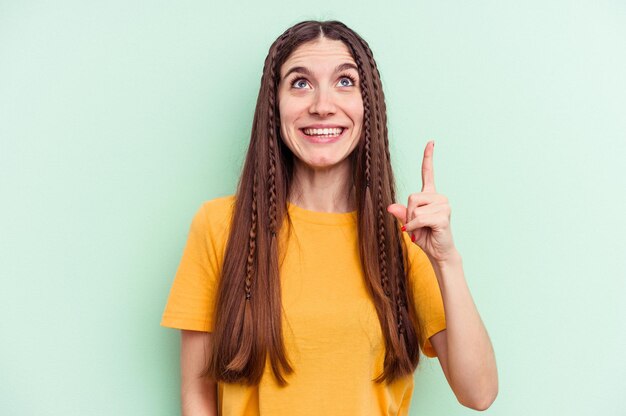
x=286, y=112
x=283, y=116
x=354, y=109
x=357, y=114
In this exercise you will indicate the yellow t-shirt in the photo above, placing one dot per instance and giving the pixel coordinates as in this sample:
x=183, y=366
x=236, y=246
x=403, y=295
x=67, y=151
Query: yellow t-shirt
x=331, y=331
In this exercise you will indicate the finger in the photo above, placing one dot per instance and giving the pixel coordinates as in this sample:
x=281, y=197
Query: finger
x=412, y=203
x=434, y=221
x=428, y=173
x=398, y=211
x=416, y=234
x=416, y=200
x=426, y=211
x=419, y=199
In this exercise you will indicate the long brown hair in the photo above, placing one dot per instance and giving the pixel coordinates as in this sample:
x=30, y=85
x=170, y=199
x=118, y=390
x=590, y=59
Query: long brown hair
x=248, y=307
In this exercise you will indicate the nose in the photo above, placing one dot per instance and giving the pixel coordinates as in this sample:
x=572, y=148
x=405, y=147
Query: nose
x=323, y=103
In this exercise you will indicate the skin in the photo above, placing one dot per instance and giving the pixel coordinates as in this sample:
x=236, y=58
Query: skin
x=463, y=348
x=198, y=395
x=322, y=177
x=321, y=95
x=322, y=180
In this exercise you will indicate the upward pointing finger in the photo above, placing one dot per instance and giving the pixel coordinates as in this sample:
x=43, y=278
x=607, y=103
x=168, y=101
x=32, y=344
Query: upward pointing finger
x=428, y=174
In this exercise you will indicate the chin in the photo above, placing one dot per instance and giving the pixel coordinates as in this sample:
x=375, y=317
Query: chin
x=323, y=163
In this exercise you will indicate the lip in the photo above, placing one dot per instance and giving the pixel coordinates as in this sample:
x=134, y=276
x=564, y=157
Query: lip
x=322, y=140
x=323, y=126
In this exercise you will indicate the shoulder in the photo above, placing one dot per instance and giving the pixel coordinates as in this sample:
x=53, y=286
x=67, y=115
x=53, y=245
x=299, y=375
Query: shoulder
x=215, y=215
x=219, y=208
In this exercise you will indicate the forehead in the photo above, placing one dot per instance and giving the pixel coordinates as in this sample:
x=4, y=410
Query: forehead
x=319, y=54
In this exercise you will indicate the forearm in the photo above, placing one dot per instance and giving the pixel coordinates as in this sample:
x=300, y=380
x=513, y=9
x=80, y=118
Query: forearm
x=198, y=394
x=199, y=398
x=471, y=359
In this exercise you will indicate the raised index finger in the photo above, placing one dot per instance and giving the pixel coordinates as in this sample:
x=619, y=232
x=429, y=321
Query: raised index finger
x=428, y=174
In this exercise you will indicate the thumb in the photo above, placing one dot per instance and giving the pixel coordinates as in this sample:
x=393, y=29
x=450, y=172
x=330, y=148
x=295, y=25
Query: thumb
x=398, y=211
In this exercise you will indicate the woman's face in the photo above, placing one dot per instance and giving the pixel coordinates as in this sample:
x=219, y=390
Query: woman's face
x=320, y=104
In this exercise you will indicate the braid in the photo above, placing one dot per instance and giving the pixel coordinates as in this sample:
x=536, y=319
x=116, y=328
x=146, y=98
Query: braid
x=387, y=154
x=366, y=121
x=367, y=103
x=382, y=256
x=381, y=124
x=272, y=176
x=275, y=341
x=382, y=251
x=368, y=152
x=252, y=243
x=272, y=133
x=272, y=152
x=400, y=294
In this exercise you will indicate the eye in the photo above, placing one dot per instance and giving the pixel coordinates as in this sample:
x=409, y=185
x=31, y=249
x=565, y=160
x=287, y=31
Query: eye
x=299, y=83
x=346, y=81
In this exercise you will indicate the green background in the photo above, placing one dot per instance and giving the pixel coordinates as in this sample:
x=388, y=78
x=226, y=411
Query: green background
x=118, y=119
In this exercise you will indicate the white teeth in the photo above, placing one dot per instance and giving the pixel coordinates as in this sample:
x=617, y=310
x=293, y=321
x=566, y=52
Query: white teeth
x=323, y=132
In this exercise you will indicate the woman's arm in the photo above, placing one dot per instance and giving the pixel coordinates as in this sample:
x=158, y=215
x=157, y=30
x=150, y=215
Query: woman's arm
x=463, y=348
x=198, y=395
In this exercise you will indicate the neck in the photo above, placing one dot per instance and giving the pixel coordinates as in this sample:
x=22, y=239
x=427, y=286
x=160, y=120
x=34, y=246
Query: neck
x=323, y=190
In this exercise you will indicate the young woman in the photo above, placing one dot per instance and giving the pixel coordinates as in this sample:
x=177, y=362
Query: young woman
x=310, y=291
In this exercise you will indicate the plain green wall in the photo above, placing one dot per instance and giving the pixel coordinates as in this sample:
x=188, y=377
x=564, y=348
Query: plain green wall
x=118, y=119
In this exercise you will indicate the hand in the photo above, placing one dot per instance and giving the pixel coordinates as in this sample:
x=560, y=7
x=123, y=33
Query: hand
x=427, y=215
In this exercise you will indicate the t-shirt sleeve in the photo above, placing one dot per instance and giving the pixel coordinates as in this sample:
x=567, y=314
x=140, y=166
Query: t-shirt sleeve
x=192, y=296
x=427, y=296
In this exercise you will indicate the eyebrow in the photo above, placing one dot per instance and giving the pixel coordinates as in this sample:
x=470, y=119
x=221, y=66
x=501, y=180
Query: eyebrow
x=305, y=70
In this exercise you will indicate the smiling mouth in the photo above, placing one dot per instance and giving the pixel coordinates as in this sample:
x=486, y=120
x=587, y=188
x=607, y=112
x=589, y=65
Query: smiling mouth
x=331, y=132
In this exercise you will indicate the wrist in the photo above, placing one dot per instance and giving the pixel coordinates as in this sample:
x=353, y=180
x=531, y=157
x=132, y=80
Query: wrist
x=450, y=261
